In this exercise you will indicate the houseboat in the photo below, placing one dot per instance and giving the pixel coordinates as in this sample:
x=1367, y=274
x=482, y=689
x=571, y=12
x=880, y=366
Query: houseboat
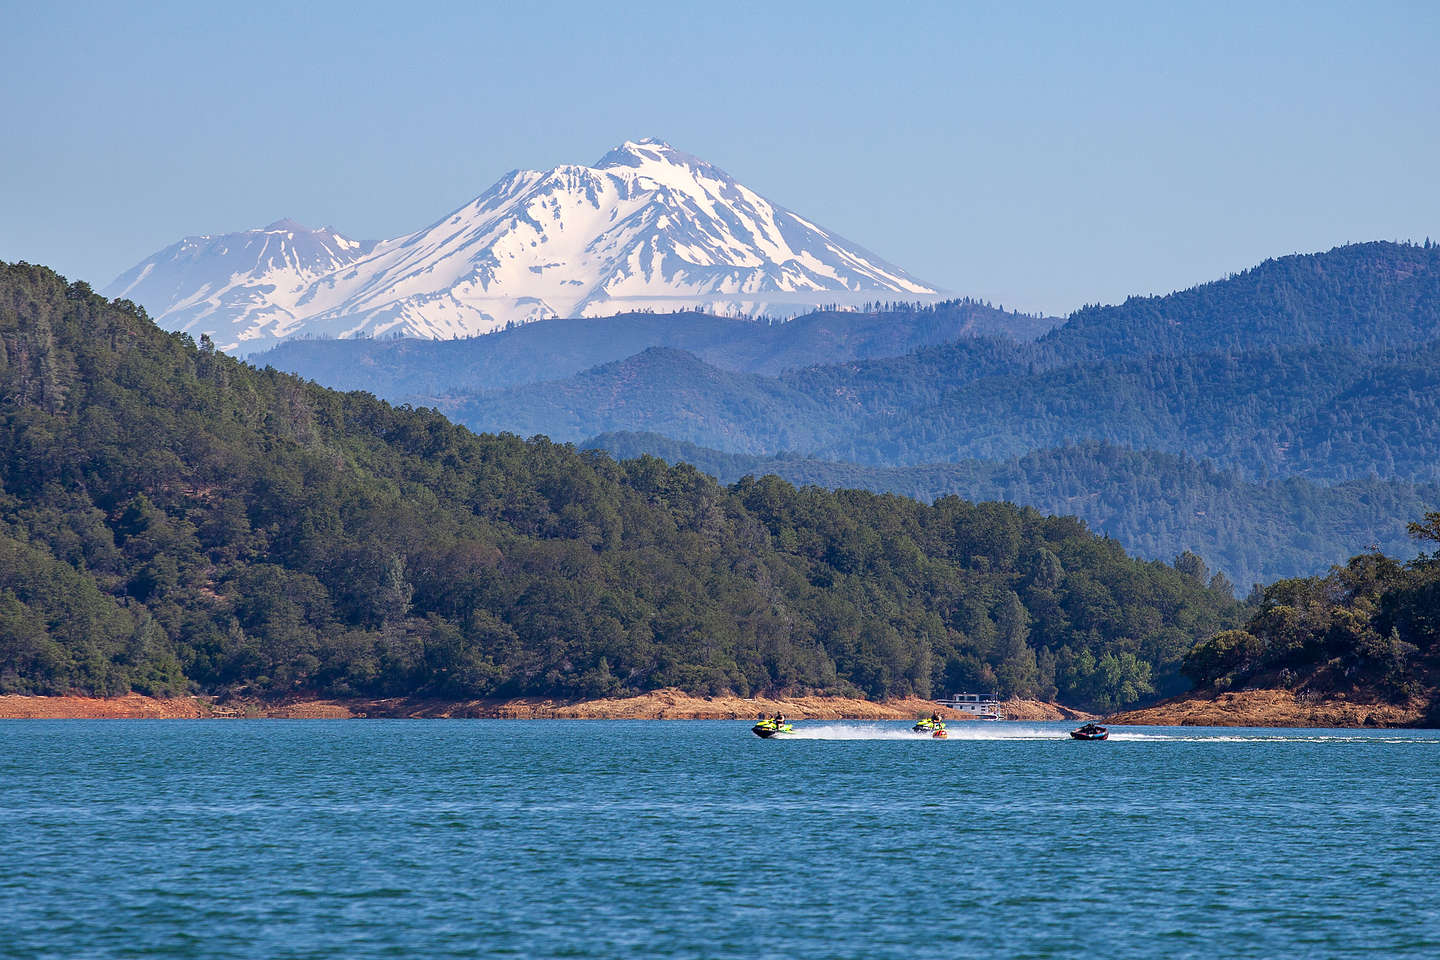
x=976, y=706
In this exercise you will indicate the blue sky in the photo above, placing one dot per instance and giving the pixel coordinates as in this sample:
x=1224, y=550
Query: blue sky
x=1038, y=155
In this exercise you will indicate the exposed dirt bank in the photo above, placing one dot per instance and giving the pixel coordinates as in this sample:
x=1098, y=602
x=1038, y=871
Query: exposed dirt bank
x=659, y=705
x=1273, y=708
x=1034, y=710
x=130, y=707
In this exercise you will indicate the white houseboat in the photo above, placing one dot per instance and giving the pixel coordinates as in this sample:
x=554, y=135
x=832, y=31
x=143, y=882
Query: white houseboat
x=977, y=706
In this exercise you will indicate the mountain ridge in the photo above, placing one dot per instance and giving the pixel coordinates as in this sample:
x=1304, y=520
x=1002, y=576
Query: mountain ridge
x=411, y=370
x=1271, y=407
x=1308, y=407
x=647, y=226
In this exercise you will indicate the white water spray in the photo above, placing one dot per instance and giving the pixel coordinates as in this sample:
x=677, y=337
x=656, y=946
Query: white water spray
x=956, y=731
x=1297, y=737
x=1031, y=731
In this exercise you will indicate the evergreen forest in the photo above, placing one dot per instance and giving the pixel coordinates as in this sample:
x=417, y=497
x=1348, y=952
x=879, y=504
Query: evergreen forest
x=1372, y=625
x=173, y=520
x=1306, y=391
x=1156, y=504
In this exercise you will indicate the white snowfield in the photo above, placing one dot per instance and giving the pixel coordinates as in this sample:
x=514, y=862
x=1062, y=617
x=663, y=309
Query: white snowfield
x=648, y=227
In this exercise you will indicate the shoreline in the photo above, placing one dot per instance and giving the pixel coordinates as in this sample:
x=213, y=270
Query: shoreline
x=1273, y=708
x=1244, y=708
x=657, y=705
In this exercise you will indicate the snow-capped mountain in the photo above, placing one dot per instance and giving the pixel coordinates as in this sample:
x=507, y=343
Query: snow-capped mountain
x=237, y=282
x=646, y=227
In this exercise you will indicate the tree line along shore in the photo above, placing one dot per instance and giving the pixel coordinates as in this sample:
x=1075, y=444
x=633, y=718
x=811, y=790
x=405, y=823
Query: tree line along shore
x=1250, y=708
x=656, y=705
x=174, y=522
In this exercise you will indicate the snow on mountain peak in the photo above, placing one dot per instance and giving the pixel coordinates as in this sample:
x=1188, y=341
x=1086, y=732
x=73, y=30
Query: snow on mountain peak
x=647, y=227
x=638, y=153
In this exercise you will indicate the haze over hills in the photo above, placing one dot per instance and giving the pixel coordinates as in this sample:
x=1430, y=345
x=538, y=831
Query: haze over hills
x=409, y=369
x=1320, y=366
x=1268, y=373
x=1157, y=504
x=1324, y=367
x=647, y=227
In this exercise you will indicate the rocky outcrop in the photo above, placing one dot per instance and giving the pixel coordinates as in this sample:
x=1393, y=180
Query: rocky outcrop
x=1275, y=708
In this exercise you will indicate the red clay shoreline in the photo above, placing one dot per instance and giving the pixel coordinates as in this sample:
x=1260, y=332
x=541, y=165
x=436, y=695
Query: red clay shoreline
x=1247, y=708
x=658, y=705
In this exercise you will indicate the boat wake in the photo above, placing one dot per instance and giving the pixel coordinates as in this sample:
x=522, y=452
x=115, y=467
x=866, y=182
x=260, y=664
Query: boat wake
x=1307, y=737
x=962, y=731
x=956, y=731
x=855, y=731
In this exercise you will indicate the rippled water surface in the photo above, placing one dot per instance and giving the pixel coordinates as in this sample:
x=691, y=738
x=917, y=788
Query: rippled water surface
x=269, y=839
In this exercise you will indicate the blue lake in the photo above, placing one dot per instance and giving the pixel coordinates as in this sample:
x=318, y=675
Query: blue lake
x=357, y=839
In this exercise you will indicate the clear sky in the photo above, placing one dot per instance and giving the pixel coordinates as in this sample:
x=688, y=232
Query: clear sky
x=1042, y=156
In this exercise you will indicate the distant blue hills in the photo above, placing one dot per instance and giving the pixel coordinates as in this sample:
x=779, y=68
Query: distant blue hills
x=548, y=349
x=1272, y=421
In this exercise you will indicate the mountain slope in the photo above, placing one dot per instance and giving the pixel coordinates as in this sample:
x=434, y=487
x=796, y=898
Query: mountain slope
x=648, y=226
x=249, y=280
x=1323, y=367
x=404, y=370
x=1327, y=413
x=667, y=391
x=1304, y=389
x=170, y=516
x=801, y=410
x=1157, y=504
x=1371, y=296
x=1283, y=411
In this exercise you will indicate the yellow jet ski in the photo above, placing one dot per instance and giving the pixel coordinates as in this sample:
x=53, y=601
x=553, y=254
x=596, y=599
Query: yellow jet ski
x=768, y=729
x=936, y=728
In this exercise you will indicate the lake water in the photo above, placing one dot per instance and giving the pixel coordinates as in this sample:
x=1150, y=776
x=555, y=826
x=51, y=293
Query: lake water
x=358, y=839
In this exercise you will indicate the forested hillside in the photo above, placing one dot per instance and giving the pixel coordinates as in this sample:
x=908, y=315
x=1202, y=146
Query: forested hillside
x=1371, y=625
x=674, y=392
x=664, y=391
x=1261, y=372
x=1372, y=296
x=1326, y=413
x=1322, y=367
x=172, y=518
x=1158, y=504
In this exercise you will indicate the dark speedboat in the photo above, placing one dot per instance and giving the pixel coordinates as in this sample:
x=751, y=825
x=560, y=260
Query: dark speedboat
x=1091, y=731
x=769, y=729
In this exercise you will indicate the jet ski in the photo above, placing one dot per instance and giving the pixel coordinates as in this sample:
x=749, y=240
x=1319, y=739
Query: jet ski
x=1091, y=731
x=936, y=728
x=768, y=729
